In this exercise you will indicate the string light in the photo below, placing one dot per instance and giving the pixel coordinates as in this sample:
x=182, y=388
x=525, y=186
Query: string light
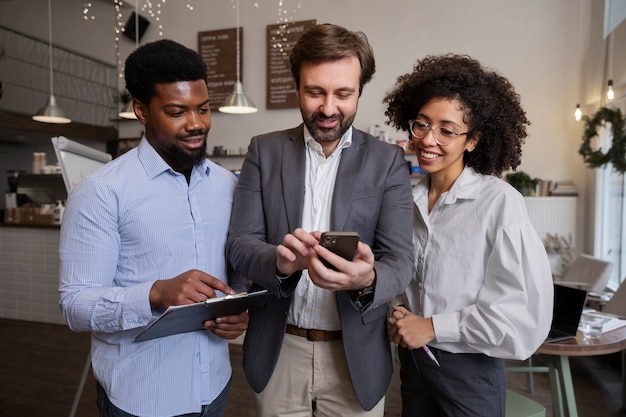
x=279, y=39
x=87, y=12
x=155, y=12
x=128, y=112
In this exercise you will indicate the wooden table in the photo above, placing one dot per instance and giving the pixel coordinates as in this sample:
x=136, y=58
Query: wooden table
x=557, y=356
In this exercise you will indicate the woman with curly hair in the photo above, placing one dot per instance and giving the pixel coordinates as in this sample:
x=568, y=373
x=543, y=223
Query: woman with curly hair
x=482, y=290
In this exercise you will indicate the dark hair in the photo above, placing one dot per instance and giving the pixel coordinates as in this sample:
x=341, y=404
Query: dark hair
x=161, y=62
x=328, y=42
x=491, y=107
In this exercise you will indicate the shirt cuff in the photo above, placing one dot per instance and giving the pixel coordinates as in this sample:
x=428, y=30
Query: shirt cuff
x=446, y=327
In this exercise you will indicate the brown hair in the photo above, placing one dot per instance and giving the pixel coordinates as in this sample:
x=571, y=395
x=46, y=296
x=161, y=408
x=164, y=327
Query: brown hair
x=328, y=42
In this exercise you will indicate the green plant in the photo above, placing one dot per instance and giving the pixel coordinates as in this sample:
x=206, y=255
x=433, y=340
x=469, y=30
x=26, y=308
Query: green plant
x=522, y=182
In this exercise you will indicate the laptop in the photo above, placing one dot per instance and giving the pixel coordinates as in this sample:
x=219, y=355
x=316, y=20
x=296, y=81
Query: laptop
x=568, y=307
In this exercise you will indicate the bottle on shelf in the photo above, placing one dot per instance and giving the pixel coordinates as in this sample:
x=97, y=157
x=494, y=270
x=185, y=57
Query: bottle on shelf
x=58, y=212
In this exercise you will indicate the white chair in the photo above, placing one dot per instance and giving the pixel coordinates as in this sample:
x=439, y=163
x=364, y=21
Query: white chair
x=617, y=304
x=588, y=273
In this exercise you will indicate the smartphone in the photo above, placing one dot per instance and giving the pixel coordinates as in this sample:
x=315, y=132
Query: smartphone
x=340, y=243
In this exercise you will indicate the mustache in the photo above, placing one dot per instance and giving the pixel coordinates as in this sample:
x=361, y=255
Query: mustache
x=194, y=133
x=322, y=116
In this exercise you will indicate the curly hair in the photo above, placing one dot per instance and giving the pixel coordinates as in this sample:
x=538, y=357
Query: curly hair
x=491, y=107
x=161, y=62
x=328, y=42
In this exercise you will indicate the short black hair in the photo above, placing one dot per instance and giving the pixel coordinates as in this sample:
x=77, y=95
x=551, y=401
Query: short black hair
x=491, y=107
x=161, y=62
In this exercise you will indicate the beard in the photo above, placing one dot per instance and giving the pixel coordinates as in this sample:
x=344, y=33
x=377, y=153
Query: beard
x=187, y=159
x=321, y=134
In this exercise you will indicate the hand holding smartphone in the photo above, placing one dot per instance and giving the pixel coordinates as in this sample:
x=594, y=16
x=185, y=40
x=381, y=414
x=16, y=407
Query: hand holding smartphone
x=341, y=243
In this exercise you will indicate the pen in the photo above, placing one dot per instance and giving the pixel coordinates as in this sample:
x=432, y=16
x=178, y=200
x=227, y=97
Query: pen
x=426, y=349
x=430, y=355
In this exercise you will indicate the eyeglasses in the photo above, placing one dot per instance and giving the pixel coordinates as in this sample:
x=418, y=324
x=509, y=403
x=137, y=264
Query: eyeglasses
x=444, y=137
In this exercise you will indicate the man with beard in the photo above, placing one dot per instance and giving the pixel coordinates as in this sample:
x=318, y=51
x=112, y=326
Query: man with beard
x=148, y=231
x=320, y=346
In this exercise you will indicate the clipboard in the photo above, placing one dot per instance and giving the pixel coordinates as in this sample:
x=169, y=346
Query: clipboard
x=190, y=317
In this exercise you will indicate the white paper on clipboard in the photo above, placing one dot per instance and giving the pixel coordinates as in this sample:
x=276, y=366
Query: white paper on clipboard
x=190, y=317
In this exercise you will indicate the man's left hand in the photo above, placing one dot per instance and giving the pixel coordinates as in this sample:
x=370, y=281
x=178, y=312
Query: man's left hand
x=228, y=327
x=350, y=275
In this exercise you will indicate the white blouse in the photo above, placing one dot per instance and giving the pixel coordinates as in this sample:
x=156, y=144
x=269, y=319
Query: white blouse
x=482, y=272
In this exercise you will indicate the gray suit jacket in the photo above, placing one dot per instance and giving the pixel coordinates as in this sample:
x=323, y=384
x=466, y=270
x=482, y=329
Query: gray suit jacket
x=372, y=196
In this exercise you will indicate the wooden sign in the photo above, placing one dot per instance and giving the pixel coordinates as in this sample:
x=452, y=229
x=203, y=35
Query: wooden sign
x=281, y=88
x=218, y=49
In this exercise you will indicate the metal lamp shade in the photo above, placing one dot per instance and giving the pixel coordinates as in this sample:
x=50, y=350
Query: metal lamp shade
x=128, y=112
x=237, y=102
x=51, y=113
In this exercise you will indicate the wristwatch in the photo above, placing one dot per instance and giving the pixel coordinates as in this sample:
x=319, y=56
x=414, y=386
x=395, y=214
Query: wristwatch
x=363, y=292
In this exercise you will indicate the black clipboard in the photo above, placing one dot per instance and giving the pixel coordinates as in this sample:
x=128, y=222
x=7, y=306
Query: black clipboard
x=190, y=317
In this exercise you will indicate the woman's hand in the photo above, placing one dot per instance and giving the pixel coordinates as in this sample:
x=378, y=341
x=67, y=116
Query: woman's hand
x=409, y=330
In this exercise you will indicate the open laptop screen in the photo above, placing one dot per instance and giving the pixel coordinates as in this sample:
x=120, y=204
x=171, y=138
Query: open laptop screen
x=568, y=307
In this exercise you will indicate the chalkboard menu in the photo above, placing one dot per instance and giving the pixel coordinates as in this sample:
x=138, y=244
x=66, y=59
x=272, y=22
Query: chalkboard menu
x=218, y=49
x=281, y=89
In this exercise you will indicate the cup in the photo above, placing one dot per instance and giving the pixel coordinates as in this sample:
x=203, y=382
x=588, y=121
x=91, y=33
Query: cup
x=590, y=327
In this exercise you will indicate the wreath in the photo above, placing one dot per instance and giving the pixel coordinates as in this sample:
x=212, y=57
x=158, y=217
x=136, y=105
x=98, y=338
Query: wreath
x=616, y=155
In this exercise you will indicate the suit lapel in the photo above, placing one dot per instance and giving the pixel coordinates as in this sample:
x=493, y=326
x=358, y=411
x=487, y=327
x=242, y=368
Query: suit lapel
x=293, y=161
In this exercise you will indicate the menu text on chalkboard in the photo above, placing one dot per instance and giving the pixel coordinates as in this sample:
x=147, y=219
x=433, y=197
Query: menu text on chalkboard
x=281, y=88
x=218, y=49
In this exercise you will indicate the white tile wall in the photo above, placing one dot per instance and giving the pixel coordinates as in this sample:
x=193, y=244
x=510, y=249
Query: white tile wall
x=29, y=274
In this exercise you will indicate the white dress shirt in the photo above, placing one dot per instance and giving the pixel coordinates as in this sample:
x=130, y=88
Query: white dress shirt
x=313, y=307
x=482, y=271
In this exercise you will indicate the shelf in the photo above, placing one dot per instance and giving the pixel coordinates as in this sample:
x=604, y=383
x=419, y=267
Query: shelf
x=17, y=124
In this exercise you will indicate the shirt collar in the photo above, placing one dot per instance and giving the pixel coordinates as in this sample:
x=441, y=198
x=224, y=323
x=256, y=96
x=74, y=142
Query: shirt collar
x=466, y=186
x=154, y=164
x=344, y=142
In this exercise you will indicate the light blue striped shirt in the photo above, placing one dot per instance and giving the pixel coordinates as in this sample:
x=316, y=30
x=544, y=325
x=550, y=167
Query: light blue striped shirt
x=130, y=223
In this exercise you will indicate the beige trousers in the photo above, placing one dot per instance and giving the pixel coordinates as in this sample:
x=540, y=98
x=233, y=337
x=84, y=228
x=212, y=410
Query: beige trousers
x=310, y=373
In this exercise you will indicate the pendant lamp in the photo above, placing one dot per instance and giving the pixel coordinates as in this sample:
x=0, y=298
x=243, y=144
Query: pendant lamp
x=610, y=93
x=237, y=102
x=578, y=113
x=51, y=112
x=128, y=112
